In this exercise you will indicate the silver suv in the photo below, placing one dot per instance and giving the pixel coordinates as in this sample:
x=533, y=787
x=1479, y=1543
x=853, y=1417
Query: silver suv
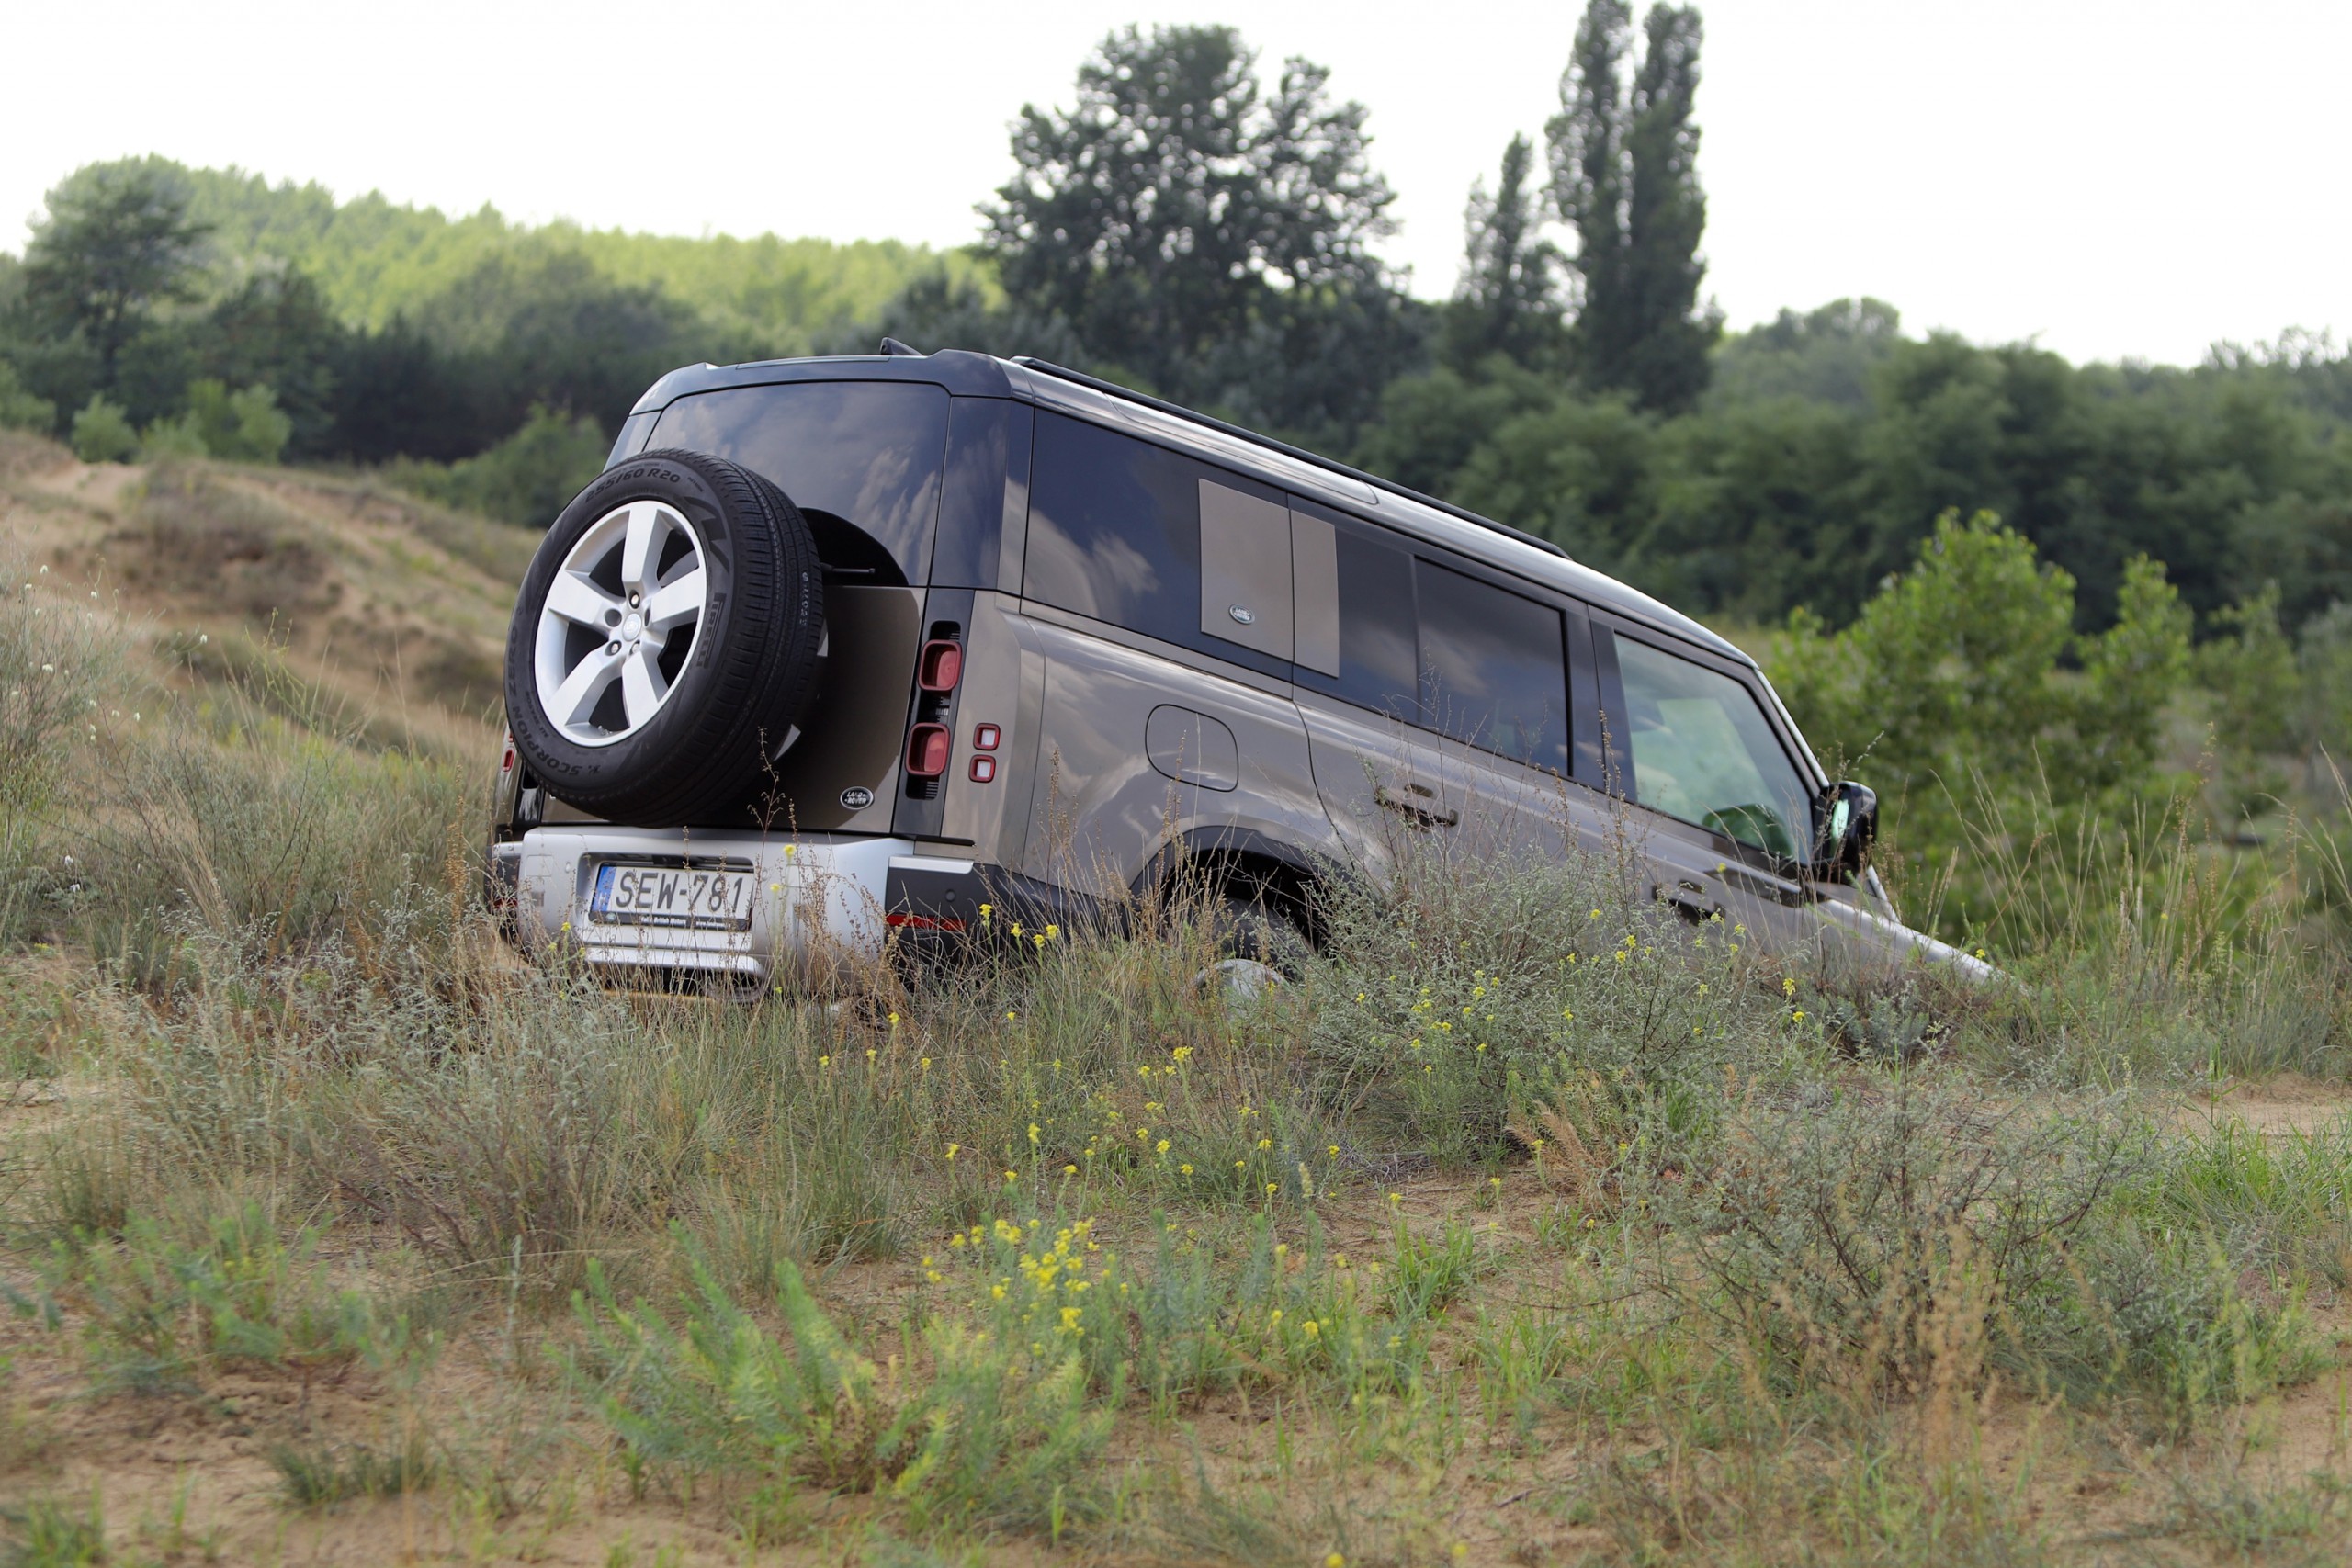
x=836, y=649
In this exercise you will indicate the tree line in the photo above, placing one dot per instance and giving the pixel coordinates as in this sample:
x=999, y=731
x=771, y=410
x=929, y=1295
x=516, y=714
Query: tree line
x=1197, y=226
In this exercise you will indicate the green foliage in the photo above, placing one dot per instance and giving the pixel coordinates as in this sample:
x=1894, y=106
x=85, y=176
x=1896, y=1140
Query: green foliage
x=387, y=331
x=1826, y=356
x=102, y=433
x=1509, y=301
x=942, y=310
x=1203, y=235
x=245, y=426
x=1489, y=996
x=1913, y=1231
x=1819, y=466
x=1846, y=1224
x=376, y=262
x=48, y=1533
x=318, y=1477
x=157, y=1309
x=117, y=242
x=997, y=1432
x=1950, y=684
x=20, y=409
x=1577, y=471
x=527, y=478
x=167, y=439
x=2254, y=689
x=1624, y=173
x=2323, y=671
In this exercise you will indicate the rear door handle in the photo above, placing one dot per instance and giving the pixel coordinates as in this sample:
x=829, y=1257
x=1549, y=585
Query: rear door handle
x=1420, y=817
x=1689, y=900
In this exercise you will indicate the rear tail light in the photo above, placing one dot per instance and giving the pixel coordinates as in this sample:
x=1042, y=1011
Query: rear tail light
x=927, y=750
x=941, y=666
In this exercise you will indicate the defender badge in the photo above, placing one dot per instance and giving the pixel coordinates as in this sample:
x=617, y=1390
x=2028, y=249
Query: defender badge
x=857, y=797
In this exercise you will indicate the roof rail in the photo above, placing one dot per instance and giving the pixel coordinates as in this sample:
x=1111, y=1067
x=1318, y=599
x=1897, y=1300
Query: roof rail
x=1286, y=450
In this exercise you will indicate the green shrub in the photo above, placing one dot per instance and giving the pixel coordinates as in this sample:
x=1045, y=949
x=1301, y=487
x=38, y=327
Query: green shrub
x=57, y=657
x=167, y=439
x=47, y=1533
x=2257, y=705
x=319, y=1475
x=245, y=426
x=1947, y=694
x=157, y=1311
x=2165, y=1319
x=1873, y=1228
x=993, y=1432
x=19, y=409
x=102, y=433
x=1477, y=990
x=527, y=478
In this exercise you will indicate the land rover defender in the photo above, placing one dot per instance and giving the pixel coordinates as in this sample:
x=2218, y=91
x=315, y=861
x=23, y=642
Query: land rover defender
x=840, y=647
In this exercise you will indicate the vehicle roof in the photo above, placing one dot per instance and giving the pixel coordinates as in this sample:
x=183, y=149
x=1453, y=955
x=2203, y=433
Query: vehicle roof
x=1366, y=496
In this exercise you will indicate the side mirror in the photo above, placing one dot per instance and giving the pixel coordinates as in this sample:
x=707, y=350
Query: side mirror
x=1849, y=827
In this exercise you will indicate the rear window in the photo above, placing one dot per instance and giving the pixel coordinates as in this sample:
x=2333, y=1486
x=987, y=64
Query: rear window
x=1114, y=530
x=1492, y=668
x=861, y=459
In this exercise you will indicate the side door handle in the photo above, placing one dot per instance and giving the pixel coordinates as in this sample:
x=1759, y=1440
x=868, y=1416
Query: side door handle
x=1689, y=900
x=1420, y=817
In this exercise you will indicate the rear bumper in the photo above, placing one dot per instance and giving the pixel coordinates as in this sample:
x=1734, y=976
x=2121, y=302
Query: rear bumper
x=818, y=903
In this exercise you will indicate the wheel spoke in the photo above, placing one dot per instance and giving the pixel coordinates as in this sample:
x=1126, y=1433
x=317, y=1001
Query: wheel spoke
x=638, y=554
x=642, y=687
x=677, y=600
x=580, y=691
x=582, y=603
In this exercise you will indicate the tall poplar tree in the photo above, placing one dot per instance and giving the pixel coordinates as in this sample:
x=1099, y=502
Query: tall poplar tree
x=1509, y=301
x=1625, y=177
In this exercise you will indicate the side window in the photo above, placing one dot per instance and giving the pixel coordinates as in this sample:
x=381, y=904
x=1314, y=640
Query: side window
x=1118, y=529
x=1114, y=530
x=1376, y=659
x=1703, y=751
x=1492, y=670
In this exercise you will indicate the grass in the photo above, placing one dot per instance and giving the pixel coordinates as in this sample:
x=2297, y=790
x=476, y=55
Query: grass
x=1521, y=1225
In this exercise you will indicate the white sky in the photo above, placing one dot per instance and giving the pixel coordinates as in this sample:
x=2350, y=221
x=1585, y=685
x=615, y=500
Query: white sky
x=2113, y=177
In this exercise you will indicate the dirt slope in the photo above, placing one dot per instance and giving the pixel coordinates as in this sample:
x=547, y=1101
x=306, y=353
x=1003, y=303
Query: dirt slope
x=395, y=608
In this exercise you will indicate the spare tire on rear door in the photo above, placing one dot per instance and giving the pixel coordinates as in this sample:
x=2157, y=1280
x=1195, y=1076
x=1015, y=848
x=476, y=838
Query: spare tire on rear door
x=666, y=641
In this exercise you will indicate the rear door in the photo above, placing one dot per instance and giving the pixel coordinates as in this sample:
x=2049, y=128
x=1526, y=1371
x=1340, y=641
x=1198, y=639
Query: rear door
x=1379, y=774
x=1440, y=702
x=1159, y=588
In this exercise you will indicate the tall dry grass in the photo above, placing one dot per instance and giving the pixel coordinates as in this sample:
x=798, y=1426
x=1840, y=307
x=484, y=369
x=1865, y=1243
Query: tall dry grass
x=1694, y=1209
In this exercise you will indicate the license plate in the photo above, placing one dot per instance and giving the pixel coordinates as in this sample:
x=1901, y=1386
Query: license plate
x=682, y=898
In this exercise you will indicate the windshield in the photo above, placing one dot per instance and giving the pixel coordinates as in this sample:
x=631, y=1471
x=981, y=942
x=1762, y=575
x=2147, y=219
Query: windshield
x=1702, y=751
x=861, y=459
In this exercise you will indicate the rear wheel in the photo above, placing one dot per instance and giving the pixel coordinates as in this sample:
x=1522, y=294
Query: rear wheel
x=665, y=641
x=1259, y=924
